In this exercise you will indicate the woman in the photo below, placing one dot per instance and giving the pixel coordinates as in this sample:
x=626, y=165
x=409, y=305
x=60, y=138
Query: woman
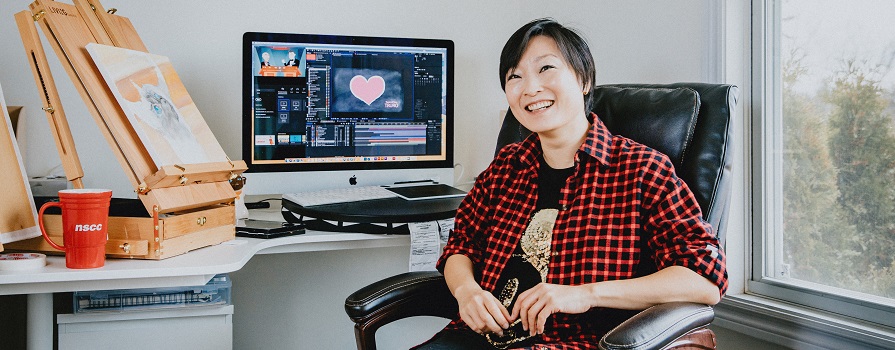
x=571, y=231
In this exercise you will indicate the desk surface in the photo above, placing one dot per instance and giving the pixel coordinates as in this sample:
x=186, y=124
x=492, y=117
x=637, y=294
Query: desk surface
x=389, y=210
x=193, y=268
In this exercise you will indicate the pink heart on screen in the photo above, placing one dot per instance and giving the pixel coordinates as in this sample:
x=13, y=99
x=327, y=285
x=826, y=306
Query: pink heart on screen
x=367, y=90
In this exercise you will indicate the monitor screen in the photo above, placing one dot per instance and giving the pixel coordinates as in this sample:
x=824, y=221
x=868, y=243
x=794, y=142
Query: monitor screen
x=327, y=103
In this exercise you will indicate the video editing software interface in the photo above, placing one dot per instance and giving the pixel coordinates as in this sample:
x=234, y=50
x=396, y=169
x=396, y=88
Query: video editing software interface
x=344, y=103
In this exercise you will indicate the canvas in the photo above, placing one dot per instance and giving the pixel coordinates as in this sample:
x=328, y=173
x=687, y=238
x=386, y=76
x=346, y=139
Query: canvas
x=18, y=216
x=158, y=106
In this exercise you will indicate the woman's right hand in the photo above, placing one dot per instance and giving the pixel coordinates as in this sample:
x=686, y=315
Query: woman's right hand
x=481, y=311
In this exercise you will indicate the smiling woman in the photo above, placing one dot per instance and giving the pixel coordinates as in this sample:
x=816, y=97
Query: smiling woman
x=529, y=261
x=545, y=94
x=547, y=72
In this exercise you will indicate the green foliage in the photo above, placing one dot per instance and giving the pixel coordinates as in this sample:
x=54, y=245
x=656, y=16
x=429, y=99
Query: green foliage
x=818, y=243
x=863, y=148
x=839, y=181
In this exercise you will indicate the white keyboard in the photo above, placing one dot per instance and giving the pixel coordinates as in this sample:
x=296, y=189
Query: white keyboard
x=339, y=195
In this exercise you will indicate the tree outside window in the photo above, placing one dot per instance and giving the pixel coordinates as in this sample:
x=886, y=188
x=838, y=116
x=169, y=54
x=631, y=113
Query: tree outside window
x=838, y=145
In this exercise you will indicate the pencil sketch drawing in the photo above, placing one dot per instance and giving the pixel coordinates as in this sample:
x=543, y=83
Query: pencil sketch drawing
x=156, y=103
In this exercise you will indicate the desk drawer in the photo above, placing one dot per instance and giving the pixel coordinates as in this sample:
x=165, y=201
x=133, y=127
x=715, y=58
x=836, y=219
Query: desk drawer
x=187, y=328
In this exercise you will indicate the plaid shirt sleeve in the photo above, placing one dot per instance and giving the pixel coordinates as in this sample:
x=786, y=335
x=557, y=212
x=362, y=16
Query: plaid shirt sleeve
x=681, y=237
x=469, y=221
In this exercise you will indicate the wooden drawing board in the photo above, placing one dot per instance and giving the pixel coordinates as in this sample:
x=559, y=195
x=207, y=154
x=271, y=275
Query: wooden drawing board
x=18, y=217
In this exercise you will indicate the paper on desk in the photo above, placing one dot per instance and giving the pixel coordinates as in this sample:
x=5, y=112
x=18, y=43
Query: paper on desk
x=444, y=229
x=425, y=247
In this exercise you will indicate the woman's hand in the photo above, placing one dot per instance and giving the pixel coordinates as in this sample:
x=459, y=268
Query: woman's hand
x=535, y=305
x=481, y=311
x=674, y=283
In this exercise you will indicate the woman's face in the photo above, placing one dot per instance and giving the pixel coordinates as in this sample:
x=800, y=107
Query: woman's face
x=543, y=91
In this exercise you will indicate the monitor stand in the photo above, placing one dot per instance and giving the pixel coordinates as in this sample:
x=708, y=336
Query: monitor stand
x=381, y=216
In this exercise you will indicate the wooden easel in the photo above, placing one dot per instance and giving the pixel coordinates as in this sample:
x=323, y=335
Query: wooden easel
x=200, y=194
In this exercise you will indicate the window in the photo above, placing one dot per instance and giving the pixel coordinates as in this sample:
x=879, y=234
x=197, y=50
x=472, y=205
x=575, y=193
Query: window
x=824, y=158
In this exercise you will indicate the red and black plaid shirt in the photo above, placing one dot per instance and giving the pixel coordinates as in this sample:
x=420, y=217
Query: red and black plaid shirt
x=624, y=214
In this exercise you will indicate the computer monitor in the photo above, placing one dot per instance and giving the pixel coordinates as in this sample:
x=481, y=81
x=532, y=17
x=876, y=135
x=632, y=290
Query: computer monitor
x=324, y=111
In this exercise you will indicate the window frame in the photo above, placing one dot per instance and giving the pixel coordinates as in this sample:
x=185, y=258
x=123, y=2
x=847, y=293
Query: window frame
x=766, y=187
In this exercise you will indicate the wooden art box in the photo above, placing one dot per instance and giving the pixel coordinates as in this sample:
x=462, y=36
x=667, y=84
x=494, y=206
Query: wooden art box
x=134, y=233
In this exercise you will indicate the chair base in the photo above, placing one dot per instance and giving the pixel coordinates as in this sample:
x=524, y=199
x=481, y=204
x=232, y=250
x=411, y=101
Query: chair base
x=703, y=339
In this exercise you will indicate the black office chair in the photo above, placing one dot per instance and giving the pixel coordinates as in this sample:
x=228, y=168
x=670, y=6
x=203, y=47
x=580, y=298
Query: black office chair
x=689, y=122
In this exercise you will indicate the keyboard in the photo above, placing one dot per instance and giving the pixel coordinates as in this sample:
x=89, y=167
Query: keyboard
x=339, y=195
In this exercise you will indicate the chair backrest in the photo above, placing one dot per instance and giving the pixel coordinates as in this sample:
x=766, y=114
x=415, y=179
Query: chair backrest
x=689, y=122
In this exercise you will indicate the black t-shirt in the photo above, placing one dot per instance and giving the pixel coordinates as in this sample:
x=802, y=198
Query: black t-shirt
x=550, y=184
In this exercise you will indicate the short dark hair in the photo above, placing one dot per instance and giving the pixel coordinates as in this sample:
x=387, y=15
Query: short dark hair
x=569, y=42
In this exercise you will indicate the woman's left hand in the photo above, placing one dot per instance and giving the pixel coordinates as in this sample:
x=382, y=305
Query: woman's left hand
x=535, y=305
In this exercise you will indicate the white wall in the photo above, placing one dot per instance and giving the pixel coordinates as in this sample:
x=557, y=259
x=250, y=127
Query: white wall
x=633, y=41
x=638, y=41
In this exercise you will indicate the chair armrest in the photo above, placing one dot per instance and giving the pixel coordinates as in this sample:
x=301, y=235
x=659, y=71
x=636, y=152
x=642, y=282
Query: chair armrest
x=658, y=326
x=405, y=295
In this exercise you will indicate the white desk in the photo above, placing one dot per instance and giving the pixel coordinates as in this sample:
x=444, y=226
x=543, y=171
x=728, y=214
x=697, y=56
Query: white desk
x=194, y=268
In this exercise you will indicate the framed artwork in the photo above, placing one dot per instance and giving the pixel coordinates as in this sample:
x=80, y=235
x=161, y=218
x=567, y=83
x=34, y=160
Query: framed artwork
x=18, y=216
x=158, y=106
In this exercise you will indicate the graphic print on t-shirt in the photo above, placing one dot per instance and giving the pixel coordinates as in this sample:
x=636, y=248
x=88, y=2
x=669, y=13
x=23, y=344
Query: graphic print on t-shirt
x=527, y=267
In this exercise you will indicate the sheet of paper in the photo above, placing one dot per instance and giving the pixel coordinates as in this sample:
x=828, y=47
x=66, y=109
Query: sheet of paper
x=425, y=247
x=444, y=229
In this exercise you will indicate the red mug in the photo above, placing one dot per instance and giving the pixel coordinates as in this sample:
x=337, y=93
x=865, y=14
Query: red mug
x=85, y=217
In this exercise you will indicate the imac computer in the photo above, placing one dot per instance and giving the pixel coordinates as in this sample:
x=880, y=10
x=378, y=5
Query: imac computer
x=327, y=111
